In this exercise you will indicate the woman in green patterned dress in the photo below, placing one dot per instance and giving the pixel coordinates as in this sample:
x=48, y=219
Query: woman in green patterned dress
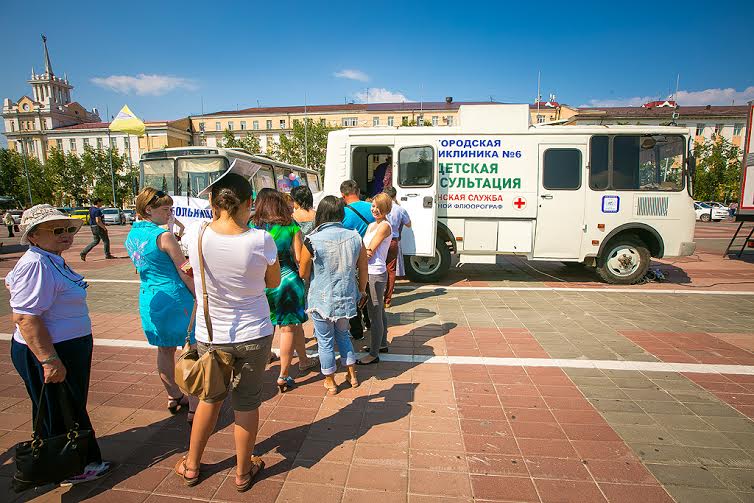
x=287, y=301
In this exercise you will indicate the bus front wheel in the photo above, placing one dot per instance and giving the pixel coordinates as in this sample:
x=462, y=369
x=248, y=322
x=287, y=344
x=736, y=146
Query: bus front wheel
x=429, y=269
x=624, y=261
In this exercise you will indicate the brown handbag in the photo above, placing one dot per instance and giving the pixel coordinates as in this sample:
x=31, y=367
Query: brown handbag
x=206, y=377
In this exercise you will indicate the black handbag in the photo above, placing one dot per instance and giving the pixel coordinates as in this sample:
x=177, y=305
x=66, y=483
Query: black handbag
x=43, y=461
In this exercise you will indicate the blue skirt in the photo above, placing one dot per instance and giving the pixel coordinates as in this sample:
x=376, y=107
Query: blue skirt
x=165, y=315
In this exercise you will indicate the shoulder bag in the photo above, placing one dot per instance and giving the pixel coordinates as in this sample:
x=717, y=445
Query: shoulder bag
x=206, y=377
x=51, y=460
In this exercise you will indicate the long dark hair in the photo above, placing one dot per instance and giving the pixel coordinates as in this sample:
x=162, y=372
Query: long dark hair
x=230, y=192
x=330, y=209
x=271, y=208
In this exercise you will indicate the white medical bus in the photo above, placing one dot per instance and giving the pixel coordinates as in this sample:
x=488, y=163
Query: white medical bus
x=606, y=196
x=184, y=172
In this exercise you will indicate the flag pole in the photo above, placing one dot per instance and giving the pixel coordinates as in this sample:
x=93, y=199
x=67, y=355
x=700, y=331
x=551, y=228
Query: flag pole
x=110, y=155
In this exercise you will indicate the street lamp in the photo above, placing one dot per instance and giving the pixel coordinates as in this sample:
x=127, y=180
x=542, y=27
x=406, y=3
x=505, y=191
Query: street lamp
x=23, y=156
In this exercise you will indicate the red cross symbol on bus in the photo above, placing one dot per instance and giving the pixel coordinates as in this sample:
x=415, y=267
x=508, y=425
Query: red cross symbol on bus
x=519, y=203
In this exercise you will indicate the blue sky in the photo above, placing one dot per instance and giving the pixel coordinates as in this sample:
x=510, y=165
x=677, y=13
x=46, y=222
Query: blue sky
x=163, y=59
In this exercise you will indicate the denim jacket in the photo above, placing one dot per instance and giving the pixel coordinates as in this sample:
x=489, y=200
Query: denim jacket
x=333, y=292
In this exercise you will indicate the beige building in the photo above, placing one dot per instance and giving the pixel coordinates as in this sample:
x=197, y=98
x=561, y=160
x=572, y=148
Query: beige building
x=267, y=124
x=49, y=119
x=703, y=122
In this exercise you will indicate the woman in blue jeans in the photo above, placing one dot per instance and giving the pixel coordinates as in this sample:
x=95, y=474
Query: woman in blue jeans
x=331, y=257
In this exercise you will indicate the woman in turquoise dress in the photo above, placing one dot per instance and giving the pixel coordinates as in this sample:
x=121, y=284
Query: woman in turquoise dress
x=287, y=301
x=166, y=295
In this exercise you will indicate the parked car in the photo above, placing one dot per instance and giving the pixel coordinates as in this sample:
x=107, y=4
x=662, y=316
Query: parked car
x=82, y=215
x=64, y=210
x=705, y=212
x=715, y=204
x=111, y=216
x=129, y=216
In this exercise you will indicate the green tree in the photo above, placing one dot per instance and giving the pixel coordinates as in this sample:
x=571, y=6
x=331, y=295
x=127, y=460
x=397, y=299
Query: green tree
x=305, y=147
x=44, y=182
x=250, y=143
x=718, y=170
x=12, y=177
x=97, y=162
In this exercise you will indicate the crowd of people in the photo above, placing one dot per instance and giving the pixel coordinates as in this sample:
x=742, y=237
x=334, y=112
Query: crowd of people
x=266, y=270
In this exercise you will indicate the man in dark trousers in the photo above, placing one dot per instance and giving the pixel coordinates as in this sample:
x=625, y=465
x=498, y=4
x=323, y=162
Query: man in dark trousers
x=99, y=231
x=358, y=217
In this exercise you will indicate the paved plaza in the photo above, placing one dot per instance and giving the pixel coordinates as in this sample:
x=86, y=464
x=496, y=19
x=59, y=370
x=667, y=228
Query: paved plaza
x=521, y=382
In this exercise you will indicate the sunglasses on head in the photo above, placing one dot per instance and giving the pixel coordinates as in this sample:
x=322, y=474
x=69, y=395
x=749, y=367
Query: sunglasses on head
x=73, y=229
x=157, y=195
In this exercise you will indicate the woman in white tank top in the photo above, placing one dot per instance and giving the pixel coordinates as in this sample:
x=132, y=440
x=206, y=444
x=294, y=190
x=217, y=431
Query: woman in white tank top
x=377, y=242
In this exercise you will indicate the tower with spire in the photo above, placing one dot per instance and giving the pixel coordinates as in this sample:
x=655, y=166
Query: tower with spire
x=30, y=119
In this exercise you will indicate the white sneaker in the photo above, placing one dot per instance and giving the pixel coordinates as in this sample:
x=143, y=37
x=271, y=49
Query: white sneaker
x=92, y=471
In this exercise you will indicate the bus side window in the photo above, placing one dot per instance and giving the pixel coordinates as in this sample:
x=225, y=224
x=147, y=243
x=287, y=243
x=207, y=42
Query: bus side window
x=598, y=162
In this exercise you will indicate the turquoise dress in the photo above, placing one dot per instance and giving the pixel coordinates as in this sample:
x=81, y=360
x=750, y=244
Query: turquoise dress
x=165, y=303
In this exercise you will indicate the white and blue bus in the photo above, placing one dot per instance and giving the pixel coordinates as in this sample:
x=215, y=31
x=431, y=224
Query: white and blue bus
x=184, y=173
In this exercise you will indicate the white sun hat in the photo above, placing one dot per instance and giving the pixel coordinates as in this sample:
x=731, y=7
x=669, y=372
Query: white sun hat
x=39, y=214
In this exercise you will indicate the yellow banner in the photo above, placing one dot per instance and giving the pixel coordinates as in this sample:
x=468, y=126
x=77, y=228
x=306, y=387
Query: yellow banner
x=127, y=122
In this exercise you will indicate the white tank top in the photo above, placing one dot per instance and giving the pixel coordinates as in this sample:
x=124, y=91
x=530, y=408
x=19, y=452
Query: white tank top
x=377, y=264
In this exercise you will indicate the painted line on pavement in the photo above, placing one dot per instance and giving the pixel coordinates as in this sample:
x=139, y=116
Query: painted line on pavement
x=520, y=288
x=638, y=366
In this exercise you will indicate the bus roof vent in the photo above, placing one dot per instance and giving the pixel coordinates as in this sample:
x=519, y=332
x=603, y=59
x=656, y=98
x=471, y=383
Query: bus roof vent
x=494, y=118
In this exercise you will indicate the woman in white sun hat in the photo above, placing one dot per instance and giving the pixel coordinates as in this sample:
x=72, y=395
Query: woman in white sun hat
x=52, y=342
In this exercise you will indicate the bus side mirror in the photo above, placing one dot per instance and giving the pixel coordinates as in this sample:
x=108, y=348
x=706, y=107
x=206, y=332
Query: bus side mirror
x=691, y=171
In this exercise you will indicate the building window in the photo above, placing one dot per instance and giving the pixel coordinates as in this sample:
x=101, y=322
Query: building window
x=113, y=142
x=59, y=145
x=404, y=120
x=12, y=126
x=230, y=125
x=540, y=119
x=72, y=144
x=99, y=143
x=126, y=143
x=375, y=121
x=243, y=125
x=348, y=121
x=269, y=124
x=737, y=128
x=282, y=123
x=86, y=142
x=201, y=127
x=450, y=120
x=719, y=129
x=700, y=129
x=32, y=148
x=419, y=120
x=255, y=125
x=323, y=122
x=218, y=126
x=435, y=120
x=390, y=121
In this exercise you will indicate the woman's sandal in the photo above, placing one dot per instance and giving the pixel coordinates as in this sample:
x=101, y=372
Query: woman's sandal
x=257, y=464
x=176, y=404
x=285, y=383
x=313, y=362
x=189, y=481
x=354, y=381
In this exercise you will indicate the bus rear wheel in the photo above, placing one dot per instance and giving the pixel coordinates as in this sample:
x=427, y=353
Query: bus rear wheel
x=429, y=269
x=625, y=261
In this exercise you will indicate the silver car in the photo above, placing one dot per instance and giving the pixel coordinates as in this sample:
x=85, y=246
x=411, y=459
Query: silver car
x=111, y=216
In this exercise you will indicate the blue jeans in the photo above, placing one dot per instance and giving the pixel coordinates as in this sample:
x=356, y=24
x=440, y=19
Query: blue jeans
x=329, y=333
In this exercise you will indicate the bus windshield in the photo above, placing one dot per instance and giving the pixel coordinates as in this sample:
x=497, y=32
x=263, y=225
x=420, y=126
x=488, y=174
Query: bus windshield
x=158, y=173
x=196, y=173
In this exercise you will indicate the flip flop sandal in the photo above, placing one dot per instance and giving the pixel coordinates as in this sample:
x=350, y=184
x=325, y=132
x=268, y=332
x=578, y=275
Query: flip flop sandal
x=189, y=481
x=257, y=464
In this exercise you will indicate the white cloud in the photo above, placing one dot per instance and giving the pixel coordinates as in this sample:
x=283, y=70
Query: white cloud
x=144, y=85
x=380, y=95
x=714, y=96
x=352, y=75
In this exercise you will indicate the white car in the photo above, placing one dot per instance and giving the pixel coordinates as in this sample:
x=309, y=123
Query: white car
x=111, y=216
x=705, y=212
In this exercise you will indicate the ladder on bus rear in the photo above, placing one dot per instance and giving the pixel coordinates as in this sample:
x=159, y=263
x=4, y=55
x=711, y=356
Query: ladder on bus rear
x=743, y=234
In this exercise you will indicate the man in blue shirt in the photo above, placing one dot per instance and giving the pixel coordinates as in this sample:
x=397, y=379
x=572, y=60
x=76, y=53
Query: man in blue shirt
x=380, y=173
x=358, y=217
x=99, y=231
x=358, y=213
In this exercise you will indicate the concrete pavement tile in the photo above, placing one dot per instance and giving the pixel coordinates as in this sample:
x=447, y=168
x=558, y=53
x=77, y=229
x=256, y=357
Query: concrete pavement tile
x=743, y=440
x=629, y=418
x=653, y=434
x=608, y=405
x=737, y=424
x=625, y=493
x=665, y=454
x=736, y=479
x=701, y=438
x=688, y=494
x=691, y=476
x=715, y=456
x=681, y=422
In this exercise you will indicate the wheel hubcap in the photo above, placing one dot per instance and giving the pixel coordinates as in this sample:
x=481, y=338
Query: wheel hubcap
x=624, y=261
x=426, y=265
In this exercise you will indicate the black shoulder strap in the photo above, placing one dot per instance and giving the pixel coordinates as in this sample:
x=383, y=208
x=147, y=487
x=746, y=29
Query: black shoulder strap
x=359, y=214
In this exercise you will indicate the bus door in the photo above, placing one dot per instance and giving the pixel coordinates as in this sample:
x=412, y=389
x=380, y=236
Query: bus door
x=415, y=181
x=560, y=213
